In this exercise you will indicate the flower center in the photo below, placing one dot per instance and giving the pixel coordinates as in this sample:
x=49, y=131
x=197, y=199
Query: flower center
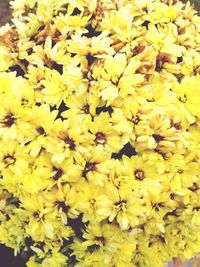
x=157, y=206
x=40, y=130
x=178, y=126
x=92, y=248
x=100, y=240
x=100, y=138
x=86, y=109
x=8, y=120
x=160, y=60
x=92, y=201
x=89, y=166
x=58, y=174
x=121, y=205
x=135, y=119
x=70, y=142
x=139, y=174
x=9, y=160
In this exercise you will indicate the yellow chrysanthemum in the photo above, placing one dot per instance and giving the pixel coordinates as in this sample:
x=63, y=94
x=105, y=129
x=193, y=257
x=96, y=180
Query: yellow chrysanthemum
x=99, y=132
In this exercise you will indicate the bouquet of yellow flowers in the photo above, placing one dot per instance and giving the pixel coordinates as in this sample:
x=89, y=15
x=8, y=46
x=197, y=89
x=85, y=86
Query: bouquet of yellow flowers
x=100, y=132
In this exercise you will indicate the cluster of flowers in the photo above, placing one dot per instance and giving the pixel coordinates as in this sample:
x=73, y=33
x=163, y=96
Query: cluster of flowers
x=100, y=132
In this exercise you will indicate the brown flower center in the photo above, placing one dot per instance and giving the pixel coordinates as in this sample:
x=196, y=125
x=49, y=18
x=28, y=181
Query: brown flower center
x=139, y=174
x=178, y=126
x=89, y=166
x=135, y=119
x=138, y=49
x=160, y=60
x=157, y=206
x=93, y=248
x=40, y=130
x=100, y=240
x=8, y=120
x=9, y=160
x=100, y=138
x=86, y=109
x=194, y=187
x=58, y=174
x=70, y=142
x=36, y=214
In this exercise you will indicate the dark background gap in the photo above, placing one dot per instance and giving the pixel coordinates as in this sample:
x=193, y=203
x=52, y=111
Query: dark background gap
x=7, y=258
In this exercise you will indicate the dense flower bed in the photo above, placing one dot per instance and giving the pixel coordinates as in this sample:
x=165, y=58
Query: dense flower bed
x=99, y=132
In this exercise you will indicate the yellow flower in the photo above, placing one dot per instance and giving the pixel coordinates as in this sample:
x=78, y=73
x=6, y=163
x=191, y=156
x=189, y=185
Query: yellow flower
x=6, y=82
x=49, y=54
x=188, y=95
x=74, y=76
x=15, y=238
x=114, y=67
x=66, y=140
x=41, y=121
x=87, y=195
x=119, y=22
x=62, y=202
x=13, y=159
x=45, y=255
x=68, y=23
x=30, y=177
x=27, y=27
x=165, y=13
x=101, y=242
x=104, y=133
x=81, y=107
x=6, y=59
x=99, y=132
x=12, y=118
x=124, y=205
x=55, y=260
x=55, y=90
x=96, y=47
x=96, y=164
x=47, y=9
x=118, y=74
x=20, y=6
x=42, y=224
x=80, y=4
x=63, y=172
